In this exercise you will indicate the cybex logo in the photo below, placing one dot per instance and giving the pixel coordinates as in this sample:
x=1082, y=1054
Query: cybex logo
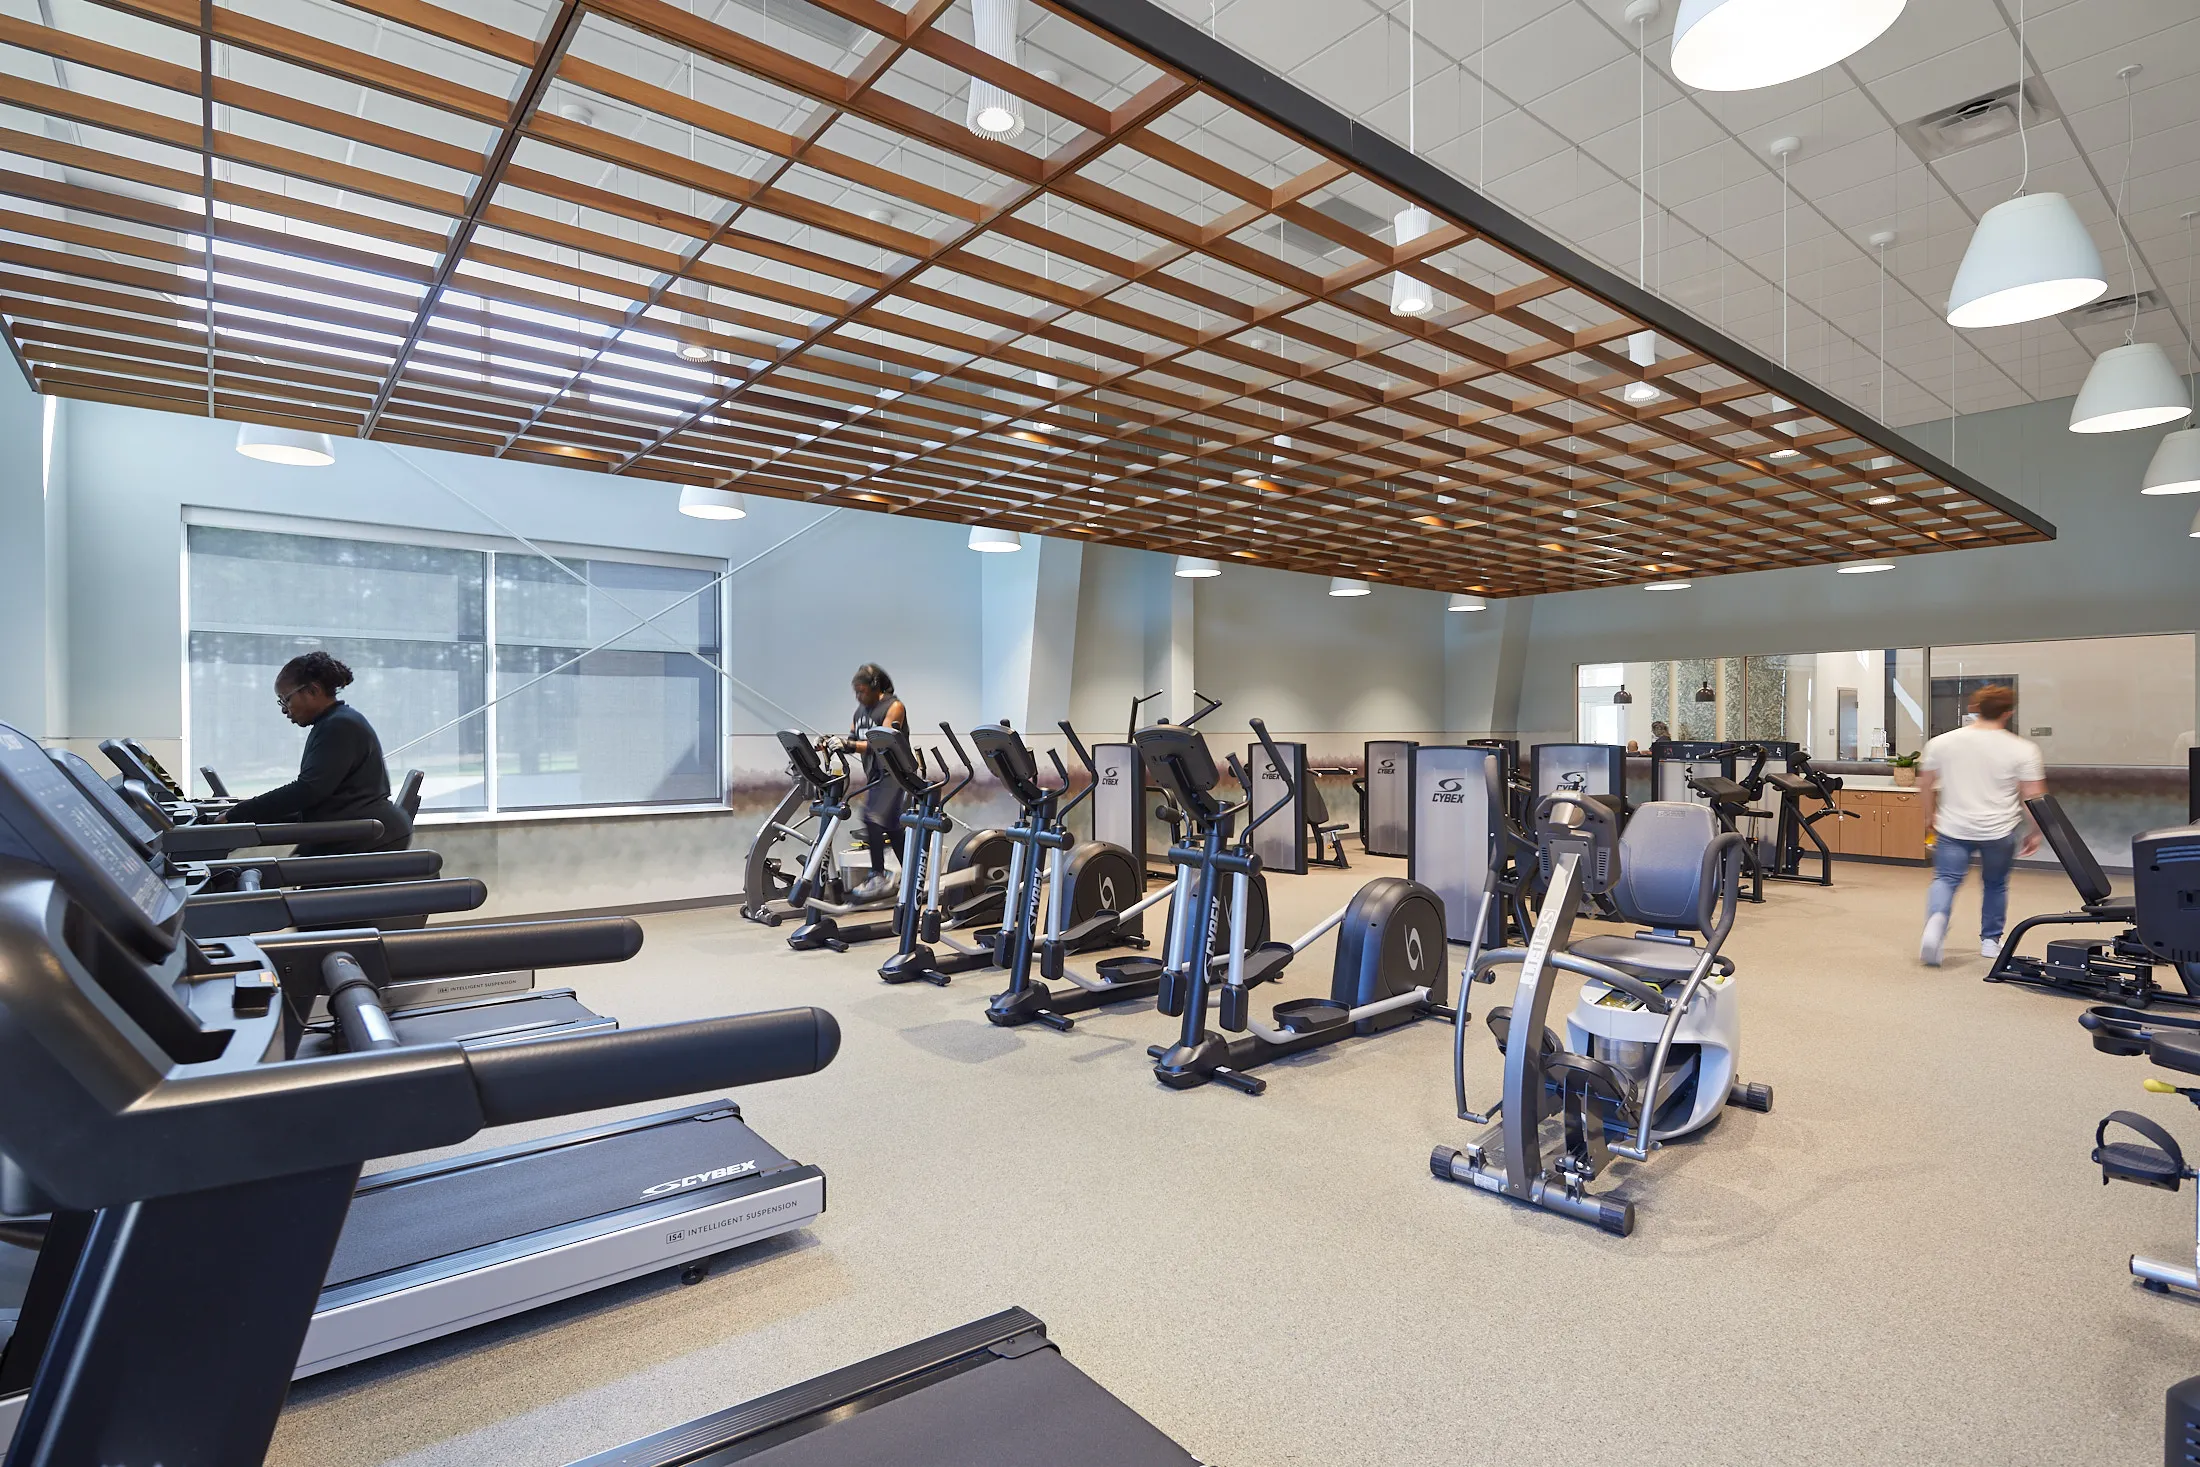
x=1107, y=893
x=700, y=1179
x=1111, y=776
x=1414, y=949
x=1447, y=792
x=1388, y=766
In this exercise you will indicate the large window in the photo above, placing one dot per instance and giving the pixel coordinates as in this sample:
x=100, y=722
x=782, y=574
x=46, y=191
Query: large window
x=514, y=682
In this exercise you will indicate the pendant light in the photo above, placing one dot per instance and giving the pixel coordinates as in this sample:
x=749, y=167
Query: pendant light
x=1705, y=695
x=1409, y=297
x=1347, y=586
x=2133, y=385
x=702, y=502
x=1463, y=602
x=995, y=112
x=2031, y=256
x=1622, y=698
x=2175, y=467
x=989, y=541
x=1197, y=568
x=292, y=447
x=1642, y=346
x=1668, y=585
x=1741, y=45
x=1864, y=568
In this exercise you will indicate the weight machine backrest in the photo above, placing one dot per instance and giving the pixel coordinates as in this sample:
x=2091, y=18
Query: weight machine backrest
x=2070, y=848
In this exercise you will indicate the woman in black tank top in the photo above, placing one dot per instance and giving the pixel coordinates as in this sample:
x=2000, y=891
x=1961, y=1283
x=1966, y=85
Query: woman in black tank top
x=876, y=707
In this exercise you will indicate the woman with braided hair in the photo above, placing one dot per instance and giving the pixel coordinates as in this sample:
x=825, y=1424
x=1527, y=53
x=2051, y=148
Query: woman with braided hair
x=341, y=775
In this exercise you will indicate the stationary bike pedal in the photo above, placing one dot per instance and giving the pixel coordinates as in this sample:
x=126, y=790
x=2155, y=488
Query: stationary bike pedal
x=1306, y=1015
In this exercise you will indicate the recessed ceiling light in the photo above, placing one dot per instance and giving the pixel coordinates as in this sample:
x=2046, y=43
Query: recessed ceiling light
x=1881, y=499
x=1785, y=453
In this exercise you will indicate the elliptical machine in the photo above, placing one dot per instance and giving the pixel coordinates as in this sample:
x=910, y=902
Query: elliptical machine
x=1390, y=937
x=1641, y=1064
x=925, y=914
x=1086, y=885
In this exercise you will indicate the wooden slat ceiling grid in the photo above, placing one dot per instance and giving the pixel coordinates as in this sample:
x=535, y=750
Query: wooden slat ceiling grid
x=746, y=255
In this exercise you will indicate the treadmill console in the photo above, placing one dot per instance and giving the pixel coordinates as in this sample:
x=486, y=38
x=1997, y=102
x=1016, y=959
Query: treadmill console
x=46, y=820
x=133, y=826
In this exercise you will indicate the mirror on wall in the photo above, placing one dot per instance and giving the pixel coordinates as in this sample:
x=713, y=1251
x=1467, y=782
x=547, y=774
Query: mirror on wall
x=1837, y=705
x=2114, y=716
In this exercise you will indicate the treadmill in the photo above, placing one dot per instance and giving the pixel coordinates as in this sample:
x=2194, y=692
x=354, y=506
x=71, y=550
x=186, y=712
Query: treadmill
x=428, y=1249
x=164, y=1119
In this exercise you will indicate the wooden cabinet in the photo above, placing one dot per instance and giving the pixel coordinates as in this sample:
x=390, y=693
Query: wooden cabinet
x=1889, y=823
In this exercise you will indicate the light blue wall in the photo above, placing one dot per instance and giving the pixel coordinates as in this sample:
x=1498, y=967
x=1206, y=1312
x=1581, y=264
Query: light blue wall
x=24, y=700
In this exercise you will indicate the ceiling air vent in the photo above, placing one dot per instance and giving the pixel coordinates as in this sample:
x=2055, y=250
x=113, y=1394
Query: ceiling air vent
x=2119, y=305
x=1980, y=120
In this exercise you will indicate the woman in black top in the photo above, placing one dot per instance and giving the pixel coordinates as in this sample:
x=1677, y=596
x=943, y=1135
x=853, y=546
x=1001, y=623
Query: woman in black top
x=341, y=776
x=876, y=707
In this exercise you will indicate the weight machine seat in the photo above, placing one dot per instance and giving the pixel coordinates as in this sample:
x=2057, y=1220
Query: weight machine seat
x=1727, y=794
x=1645, y=958
x=2071, y=850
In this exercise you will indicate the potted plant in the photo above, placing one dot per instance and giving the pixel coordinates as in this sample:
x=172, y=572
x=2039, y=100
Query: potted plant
x=1904, y=768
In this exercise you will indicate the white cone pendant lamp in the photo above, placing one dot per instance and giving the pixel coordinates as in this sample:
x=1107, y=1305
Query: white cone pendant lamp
x=1740, y=45
x=700, y=501
x=2031, y=257
x=2175, y=468
x=1346, y=586
x=994, y=542
x=1463, y=602
x=2130, y=386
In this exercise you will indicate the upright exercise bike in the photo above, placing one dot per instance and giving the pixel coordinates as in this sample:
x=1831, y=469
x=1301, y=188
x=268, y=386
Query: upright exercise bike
x=1088, y=874
x=1651, y=1045
x=1390, y=959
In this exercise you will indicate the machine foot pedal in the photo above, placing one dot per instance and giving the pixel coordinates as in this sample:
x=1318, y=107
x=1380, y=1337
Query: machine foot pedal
x=1306, y=1015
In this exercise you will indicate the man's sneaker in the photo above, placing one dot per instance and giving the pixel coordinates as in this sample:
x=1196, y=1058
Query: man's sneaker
x=875, y=890
x=1936, y=928
x=1989, y=947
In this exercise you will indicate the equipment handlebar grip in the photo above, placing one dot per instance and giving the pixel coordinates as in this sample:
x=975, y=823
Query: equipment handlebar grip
x=356, y=1005
x=354, y=870
x=316, y=832
x=353, y=906
x=559, y=1077
x=568, y=943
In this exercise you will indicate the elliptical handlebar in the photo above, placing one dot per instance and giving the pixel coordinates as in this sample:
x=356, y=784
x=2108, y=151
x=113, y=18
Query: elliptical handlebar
x=1198, y=696
x=970, y=771
x=1130, y=730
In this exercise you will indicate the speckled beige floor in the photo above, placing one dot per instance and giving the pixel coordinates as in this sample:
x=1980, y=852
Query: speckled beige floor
x=1908, y=1261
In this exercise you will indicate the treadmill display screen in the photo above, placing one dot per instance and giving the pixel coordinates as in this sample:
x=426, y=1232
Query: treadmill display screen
x=56, y=825
x=118, y=811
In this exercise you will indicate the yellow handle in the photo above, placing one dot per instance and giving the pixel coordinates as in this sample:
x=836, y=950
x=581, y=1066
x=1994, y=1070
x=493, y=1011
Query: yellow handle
x=2160, y=1087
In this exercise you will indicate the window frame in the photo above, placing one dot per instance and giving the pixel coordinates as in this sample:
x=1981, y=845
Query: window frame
x=491, y=545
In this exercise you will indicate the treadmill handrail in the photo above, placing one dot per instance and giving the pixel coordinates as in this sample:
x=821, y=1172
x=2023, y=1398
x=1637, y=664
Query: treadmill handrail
x=557, y=1077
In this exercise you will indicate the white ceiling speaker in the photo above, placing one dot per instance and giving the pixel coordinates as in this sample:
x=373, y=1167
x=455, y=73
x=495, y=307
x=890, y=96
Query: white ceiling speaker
x=1740, y=45
x=2030, y=257
x=1864, y=568
x=994, y=542
x=2130, y=386
x=1409, y=297
x=1642, y=350
x=291, y=446
x=1197, y=568
x=995, y=113
x=700, y=501
x=1346, y=586
x=1668, y=585
x=1463, y=602
x=2175, y=468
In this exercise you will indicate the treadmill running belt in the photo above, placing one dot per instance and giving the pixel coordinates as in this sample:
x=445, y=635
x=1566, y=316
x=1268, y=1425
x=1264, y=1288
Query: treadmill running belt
x=517, y=1018
x=1036, y=1408
x=399, y=1223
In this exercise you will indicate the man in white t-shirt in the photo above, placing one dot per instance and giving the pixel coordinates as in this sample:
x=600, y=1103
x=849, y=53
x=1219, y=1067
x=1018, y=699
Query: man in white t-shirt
x=1975, y=782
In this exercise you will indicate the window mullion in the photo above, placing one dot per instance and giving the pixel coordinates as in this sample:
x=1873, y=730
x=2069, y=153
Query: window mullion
x=489, y=684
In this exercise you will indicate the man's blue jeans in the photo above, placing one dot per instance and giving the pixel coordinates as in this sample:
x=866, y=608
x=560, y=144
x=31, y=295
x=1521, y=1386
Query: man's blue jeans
x=1952, y=857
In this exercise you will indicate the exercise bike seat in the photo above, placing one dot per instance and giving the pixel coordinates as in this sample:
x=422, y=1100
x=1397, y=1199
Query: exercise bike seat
x=1645, y=958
